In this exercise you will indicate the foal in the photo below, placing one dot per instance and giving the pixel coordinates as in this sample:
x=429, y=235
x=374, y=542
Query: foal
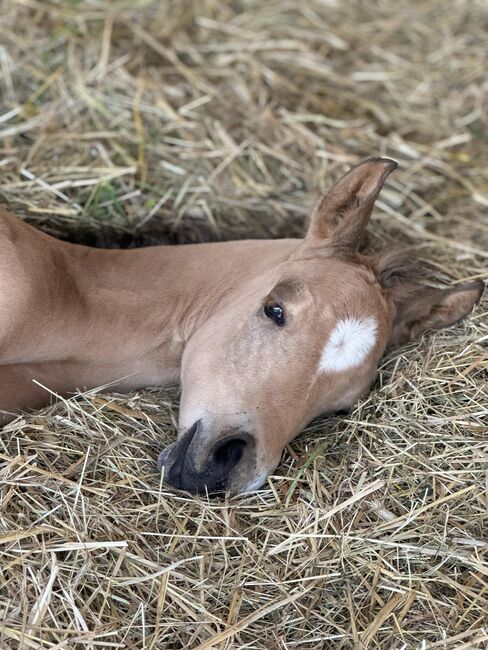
x=263, y=335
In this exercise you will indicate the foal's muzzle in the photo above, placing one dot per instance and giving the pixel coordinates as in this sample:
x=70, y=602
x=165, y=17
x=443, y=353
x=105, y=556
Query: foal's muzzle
x=200, y=462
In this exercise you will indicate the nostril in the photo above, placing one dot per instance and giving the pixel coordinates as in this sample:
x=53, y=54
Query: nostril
x=228, y=453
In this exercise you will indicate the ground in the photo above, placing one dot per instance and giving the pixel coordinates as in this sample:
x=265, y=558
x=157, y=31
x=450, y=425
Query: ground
x=181, y=121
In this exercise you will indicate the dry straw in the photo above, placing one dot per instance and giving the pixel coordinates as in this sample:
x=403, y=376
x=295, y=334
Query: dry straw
x=181, y=121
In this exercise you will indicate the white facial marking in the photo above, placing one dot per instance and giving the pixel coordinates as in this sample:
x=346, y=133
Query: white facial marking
x=351, y=341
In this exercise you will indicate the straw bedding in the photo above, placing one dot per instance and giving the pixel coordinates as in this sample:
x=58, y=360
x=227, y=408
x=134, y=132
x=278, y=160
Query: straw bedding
x=181, y=121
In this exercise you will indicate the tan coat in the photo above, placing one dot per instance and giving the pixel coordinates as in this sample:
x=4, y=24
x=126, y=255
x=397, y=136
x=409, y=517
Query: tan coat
x=263, y=335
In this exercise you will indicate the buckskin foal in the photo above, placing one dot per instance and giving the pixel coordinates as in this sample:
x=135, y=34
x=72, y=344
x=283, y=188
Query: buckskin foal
x=263, y=335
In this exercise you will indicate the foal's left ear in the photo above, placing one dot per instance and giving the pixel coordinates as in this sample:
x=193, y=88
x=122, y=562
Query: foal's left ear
x=343, y=213
x=424, y=308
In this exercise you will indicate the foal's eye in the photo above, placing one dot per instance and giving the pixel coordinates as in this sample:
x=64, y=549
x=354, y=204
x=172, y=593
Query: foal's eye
x=276, y=313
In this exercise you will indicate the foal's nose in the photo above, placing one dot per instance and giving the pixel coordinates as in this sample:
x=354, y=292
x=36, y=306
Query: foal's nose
x=197, y=465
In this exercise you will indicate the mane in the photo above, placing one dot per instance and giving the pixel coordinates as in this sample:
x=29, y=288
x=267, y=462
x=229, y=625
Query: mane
x=399, y=270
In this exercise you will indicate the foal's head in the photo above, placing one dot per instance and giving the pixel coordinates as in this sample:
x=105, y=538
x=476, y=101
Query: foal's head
x=304, y=338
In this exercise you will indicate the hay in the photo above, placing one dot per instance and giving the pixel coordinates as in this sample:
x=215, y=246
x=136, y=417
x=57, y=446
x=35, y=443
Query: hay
x=181, y=121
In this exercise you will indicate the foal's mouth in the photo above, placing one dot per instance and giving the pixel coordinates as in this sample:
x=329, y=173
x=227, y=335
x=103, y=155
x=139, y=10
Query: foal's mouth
x=177, y=463
x=164, y=459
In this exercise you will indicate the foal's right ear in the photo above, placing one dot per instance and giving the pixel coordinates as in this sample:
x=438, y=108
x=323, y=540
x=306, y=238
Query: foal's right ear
x=343, y=213
x=423, y=308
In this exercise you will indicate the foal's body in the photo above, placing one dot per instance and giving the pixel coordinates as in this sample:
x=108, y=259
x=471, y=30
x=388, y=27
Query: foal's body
x=263, y=335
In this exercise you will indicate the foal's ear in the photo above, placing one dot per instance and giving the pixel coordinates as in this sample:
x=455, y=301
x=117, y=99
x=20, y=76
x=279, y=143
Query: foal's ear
x=342, y=214
x=423, y=308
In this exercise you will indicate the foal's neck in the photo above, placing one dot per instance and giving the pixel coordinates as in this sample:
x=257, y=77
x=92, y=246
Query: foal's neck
x=142, y=306
x=81, y=317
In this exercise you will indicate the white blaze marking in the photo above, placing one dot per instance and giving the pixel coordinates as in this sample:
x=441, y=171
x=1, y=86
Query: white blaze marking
x=351, y=341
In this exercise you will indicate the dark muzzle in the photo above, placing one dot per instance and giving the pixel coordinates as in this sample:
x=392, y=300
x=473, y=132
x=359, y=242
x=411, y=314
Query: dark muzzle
x=187, y=467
